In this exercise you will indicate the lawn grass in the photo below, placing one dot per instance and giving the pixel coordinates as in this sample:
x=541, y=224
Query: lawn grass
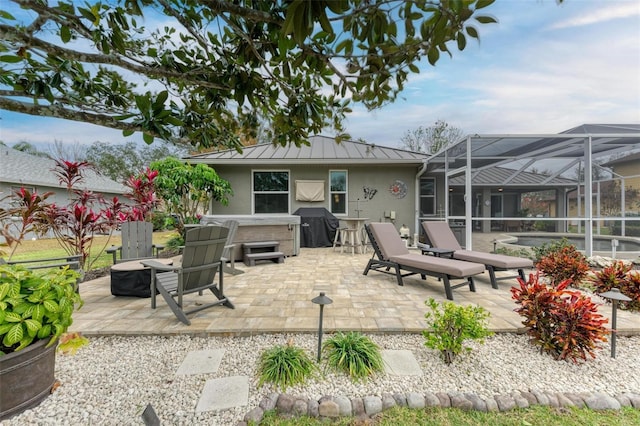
x=50, y=247
x=536, y=415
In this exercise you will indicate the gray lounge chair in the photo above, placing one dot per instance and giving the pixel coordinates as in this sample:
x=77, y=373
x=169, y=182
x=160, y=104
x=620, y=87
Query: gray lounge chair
x=201, y=261
x=391, y=252
x=442, y=237
x=136, y=242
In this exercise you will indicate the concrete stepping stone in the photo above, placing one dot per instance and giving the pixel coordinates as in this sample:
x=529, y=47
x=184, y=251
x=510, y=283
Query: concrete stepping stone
x=201, y=362
x=400, y=363
x=227, y=392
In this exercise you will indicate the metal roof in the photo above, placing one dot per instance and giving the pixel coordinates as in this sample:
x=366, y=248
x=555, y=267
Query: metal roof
x=20, y=168
x=321, y=150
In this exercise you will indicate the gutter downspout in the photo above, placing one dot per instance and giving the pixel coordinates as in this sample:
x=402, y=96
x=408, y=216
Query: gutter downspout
x=421, y=171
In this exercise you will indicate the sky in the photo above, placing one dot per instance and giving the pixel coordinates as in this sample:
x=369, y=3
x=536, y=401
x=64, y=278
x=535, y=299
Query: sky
x=544, y=68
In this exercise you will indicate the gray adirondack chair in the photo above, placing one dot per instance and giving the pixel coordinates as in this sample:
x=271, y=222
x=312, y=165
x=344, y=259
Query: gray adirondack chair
x=136, y=242
x=229, y=254
x=201, y=261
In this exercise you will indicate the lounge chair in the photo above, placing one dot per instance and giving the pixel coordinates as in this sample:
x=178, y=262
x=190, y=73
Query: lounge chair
x=391, y=252
x=201, y=261
x=136, y=242
x=441, y=236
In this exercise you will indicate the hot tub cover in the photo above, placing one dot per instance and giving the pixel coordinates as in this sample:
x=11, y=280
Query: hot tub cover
x=317, y=226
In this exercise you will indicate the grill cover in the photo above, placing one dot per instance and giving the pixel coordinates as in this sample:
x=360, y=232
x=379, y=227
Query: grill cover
x=317, y=226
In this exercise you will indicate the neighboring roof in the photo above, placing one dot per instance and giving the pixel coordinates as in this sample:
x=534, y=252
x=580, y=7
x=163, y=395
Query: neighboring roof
x=622, y=160
x=501, y=176
x=20, y=168
x=321, y=150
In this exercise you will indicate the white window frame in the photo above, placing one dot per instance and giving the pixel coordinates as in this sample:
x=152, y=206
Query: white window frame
x=345, y=192
x=253, y=193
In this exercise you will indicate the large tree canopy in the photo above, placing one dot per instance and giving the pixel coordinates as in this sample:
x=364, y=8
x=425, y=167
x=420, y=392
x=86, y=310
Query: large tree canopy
x=202, y=71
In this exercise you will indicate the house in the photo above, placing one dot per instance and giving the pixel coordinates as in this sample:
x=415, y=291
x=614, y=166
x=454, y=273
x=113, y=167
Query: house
x=627, y=171
x=19, y=169
x=349, y=179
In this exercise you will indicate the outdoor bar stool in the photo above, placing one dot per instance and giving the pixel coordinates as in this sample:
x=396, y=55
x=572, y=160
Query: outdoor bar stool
x=348, y=239
x=338, y=240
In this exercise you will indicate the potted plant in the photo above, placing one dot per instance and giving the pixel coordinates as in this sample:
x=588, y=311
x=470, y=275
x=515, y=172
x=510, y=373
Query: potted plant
x=36, y=308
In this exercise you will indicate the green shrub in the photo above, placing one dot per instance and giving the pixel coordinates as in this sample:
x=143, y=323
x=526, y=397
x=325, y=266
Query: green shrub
x=353, y=353
x=563, y=323
x=451, y=324
x=285, y=366
x=551, y=247
x=161, y=221
x=521, y=252
x=175, y=242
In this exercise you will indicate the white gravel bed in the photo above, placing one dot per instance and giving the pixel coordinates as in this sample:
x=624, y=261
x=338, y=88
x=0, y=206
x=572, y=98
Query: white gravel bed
x=110, y=381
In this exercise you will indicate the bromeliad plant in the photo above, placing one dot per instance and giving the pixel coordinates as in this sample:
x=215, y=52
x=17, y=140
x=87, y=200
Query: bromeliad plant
x=561, y=322
x=451, y=325
x=35, y=305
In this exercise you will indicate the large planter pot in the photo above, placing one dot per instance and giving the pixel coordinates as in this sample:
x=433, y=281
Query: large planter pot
x=27, y=377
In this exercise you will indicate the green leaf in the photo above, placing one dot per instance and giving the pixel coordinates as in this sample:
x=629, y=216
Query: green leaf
x=472, y=32
x=481, y=4
x=486, y=19
x=10, y=59
x=14, y=335
x=147, y=138
x=65, y=34
x=6, y=15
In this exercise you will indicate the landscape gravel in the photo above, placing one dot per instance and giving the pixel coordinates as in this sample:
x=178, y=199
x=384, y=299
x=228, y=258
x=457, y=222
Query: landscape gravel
x=110, y=381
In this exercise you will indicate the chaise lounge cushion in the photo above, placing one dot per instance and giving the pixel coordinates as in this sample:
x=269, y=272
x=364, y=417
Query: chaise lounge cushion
x=451, y=267
x=500, y=261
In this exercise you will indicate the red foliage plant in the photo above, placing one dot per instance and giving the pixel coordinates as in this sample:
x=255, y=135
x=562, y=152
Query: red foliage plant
x=562, y=322
x=567, y=263
x=619, y=275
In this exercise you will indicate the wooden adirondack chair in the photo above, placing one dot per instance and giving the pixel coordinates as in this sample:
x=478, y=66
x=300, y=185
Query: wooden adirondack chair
x=201, y=261
x=136, y=243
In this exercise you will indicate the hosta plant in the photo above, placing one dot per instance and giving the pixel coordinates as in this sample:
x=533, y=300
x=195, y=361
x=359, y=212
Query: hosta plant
x=451, y=324
x=566, y=263
x=285, y=366
x=354, y=354
x=35, y=305
x=619, y=275
x=561, y=322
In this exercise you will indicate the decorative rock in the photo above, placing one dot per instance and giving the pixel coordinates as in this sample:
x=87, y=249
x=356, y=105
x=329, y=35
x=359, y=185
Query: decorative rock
x=254, y=415
x=445, y=401
x=505, y=402
x=357, y=406
x=325, y=398
x=576, y=399
x=635, y=399
x=541, y=397
x=601, y=401
x=312, y=408
x=372, y=405
x=387, y=401
x=491, y=404
x=623, y=400
x=401, y=399
x=285, y=403
x=477, y=403
x=564, y=401
x=268, y=403
x=521, y=401
x=344, y=405
x=431, y=400
x=531, y=399
x=300, y=407
x=415, y=400
x=553, y=401
x=459, y=401
x=328, y=408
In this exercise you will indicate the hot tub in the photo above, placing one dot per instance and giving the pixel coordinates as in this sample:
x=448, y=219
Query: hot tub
x=282, y=228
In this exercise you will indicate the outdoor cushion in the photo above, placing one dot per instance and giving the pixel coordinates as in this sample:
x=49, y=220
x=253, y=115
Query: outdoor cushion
x=439, y=265
x=500, y=261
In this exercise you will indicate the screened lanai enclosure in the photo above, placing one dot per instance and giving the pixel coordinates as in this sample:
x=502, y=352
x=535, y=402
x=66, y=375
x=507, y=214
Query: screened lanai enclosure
x=542, y=182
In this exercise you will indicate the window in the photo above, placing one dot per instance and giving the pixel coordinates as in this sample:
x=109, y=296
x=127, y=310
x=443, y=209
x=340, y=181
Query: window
x=270, y=192
x=338, y=191
x=427, y=196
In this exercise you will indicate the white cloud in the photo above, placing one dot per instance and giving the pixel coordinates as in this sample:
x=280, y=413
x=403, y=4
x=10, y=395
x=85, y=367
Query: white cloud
x=606, y=11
